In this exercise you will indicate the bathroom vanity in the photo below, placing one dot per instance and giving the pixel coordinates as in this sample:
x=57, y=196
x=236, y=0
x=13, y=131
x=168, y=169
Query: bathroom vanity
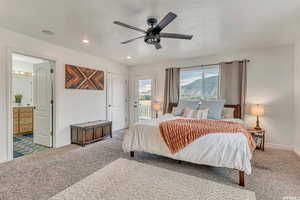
x=22, y=120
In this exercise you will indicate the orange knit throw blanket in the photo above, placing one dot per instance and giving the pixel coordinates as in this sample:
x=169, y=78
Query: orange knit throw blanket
x=179, y=133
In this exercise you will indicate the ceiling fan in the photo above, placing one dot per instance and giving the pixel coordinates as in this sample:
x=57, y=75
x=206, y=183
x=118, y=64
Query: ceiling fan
x=153, y=34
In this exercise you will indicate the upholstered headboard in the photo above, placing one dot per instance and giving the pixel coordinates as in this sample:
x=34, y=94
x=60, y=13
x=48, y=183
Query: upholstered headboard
x=237, y=109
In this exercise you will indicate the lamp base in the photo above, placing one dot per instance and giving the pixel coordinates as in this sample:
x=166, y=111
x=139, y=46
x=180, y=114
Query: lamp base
x=257, y=127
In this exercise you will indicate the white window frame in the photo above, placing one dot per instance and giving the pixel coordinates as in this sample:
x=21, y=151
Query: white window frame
x=203, y=69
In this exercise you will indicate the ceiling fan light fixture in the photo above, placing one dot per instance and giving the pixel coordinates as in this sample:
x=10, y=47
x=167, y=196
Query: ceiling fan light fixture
x=152, y=38
x=157, y=46
x=153, y=34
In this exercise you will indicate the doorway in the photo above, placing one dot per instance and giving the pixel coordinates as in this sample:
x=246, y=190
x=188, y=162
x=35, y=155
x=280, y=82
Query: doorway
x=31, y=104
x=144, y=90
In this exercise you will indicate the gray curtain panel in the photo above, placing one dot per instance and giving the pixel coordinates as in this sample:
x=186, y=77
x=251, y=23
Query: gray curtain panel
x=233, y=83
x=171, y=94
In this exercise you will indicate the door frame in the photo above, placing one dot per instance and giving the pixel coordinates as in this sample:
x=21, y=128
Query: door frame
x=135, y=91
x=9, y=110
x=108, y=94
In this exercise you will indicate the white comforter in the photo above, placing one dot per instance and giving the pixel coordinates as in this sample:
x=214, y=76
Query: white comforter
x=229, y=150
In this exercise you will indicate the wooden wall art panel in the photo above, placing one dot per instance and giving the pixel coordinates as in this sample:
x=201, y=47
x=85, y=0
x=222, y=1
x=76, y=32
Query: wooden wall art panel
x=83, y=78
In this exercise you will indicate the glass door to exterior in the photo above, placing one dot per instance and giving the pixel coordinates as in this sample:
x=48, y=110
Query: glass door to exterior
x=143, y=101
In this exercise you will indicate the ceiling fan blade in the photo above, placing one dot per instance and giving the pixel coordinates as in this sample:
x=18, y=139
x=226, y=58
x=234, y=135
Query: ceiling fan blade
x=132, y=39
x=164, y=22
x=129, y=26
x=157, y=46
x=176, y=36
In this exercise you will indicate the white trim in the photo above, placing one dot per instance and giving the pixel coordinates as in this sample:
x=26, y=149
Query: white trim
x=297, y=151
x=8, y=83
x=8, y=110
x=279, y=146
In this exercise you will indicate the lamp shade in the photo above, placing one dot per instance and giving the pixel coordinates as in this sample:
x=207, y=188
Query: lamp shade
x=156, y=106
x=257, y=110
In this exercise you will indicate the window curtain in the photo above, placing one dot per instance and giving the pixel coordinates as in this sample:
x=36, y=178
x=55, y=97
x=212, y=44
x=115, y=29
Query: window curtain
x=172, y=82
x=233, y=83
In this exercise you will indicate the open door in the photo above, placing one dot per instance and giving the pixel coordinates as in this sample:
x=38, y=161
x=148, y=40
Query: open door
x=42, y=97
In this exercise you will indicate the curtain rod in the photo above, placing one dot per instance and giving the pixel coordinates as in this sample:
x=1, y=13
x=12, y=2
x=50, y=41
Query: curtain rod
x=206, y=65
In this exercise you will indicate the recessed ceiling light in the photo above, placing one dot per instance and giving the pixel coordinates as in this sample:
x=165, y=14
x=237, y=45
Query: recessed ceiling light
x=128, y=57
x=85, y=41
x=47, y=32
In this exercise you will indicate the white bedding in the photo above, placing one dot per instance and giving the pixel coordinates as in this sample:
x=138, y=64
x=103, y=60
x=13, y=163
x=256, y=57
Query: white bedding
x=229, y=150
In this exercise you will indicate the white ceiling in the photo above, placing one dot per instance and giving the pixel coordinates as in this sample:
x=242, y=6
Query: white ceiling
x=216, y=25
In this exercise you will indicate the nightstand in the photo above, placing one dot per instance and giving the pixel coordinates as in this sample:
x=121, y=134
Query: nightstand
x=259, y=137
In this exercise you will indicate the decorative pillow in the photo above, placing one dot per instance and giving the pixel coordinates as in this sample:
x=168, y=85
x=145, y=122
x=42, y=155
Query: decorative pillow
x=194, y=105
x=197, y=114
x=215, y=108
x=228, y=113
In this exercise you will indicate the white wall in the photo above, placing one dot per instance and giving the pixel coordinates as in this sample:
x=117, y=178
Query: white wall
x=22, y=84
x=270, y=82
x=297, y=98
x=73, y=106
x=22, y=66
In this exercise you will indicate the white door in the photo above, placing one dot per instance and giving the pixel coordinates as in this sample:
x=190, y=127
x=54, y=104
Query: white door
x=143, y=97
x=42, y=96
x=117, y=111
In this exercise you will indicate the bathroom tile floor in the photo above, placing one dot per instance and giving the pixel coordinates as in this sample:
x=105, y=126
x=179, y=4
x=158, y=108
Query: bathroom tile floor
x=23, y=145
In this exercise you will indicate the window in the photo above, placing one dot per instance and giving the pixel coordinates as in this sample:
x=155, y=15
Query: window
x=199, y=83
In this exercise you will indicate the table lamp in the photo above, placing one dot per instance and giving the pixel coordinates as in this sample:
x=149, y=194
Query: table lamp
x=156, y=107
x=257, y=110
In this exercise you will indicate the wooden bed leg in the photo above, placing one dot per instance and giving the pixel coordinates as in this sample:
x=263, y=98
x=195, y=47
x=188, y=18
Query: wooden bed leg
x=179, y=161
x=131, y=154
x=242, y=178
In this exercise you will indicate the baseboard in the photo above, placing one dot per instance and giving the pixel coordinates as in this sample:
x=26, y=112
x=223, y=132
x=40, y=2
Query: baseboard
x=297, y=151
x=279, y=146
x=284, y=147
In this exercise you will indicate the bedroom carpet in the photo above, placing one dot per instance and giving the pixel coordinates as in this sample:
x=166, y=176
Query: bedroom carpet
x=131, y=180
x=41, y=175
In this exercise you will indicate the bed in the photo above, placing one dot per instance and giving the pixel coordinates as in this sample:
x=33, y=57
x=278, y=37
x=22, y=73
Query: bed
x=216, y=150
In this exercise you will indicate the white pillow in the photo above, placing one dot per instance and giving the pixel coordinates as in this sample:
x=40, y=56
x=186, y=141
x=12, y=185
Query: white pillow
x=196, y=114
x=228, y=113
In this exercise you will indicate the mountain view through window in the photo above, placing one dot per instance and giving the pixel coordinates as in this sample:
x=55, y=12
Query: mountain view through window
x=199, y=83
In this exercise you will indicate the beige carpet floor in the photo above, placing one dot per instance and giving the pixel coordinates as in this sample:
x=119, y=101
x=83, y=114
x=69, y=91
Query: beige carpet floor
x=131, y=180
x=41, y=175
